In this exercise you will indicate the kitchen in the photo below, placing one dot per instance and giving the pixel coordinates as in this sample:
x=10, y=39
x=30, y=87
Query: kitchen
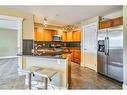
x=51, y=41
x=59, y=40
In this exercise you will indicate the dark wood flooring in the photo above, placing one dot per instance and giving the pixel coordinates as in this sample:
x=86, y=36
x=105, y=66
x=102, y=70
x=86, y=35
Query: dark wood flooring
x=85, y=78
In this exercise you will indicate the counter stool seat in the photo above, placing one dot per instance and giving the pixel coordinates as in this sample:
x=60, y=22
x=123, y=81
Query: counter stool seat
x=44, y=73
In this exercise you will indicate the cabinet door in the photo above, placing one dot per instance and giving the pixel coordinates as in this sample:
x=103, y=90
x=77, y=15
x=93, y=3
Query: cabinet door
x=47, y=35
x=72, y=54
x=69, y=36
x=64, y=36
x=76, y=36
x=39, y=34
x=42, y=35
x=118, y=21
x=105, y=24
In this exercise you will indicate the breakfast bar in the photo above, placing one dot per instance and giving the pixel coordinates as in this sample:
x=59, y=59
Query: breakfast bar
x=60, y=63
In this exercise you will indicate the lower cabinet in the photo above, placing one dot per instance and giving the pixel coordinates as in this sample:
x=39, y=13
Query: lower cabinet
x=76, y=60
x=76, y=54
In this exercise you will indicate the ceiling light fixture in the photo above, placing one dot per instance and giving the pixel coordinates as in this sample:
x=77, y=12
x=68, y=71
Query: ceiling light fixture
x=69, y=28
x=45, y=22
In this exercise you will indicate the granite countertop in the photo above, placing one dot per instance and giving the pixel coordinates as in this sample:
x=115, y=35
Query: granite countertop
x=55, y=55
x=72, y=48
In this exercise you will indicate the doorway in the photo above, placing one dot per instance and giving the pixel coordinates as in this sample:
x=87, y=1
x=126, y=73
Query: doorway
x=10, y=47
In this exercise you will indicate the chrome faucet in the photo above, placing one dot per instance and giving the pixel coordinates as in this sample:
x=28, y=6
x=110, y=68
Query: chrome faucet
x=36, y=49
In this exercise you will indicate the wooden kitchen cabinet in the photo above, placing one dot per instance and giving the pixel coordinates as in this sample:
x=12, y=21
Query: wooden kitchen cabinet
x=71, y=50
x=76, y=36
x=38, y=34
x=111, y=23
x=47, y=35
x=73, y=36
x=69, y=36
x=64, y=36
x=105, y=24
x=76, y=54
x=118, y=21
x=42, y=35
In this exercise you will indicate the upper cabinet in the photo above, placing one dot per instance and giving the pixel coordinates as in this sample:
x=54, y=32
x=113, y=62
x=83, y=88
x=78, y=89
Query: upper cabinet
x=118, y=21
x=76, y=36
x=64, y=36
x=42, y=35
x=73, y=36
x=111, y=23
x=47, y=35
x=69, y=36
x=105, y=24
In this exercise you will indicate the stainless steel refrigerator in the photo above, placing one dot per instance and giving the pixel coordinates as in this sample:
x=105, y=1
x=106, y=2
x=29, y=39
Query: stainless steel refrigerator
x=110, y=53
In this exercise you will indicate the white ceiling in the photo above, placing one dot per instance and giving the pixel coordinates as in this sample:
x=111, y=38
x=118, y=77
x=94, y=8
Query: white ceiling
x=62, y=15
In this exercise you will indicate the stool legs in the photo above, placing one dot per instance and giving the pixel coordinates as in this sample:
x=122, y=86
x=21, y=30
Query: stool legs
x=46, y=83
x=29, y=80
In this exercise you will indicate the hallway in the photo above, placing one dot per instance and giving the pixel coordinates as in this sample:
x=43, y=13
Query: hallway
x=85, y=78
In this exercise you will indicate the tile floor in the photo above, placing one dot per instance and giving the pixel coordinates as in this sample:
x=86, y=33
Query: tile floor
x=85, y=78
x=82, y=78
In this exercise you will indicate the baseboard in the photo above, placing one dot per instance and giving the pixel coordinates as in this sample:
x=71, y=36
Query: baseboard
x=5, y=57
x=82, y=64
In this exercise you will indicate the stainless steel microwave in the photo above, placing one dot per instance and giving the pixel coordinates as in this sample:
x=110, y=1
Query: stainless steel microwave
x=57, y=37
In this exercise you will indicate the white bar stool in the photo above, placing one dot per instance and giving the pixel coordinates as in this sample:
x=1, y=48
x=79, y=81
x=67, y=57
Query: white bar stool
x=45, y=73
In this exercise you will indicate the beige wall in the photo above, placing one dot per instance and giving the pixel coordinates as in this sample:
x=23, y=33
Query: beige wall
x=125, y=44
x=28, y=23
x=8, y=42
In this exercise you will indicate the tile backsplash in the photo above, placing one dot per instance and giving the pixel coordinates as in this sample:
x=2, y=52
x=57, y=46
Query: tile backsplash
x=27, y=46
x=45, y=44
x=71, y=44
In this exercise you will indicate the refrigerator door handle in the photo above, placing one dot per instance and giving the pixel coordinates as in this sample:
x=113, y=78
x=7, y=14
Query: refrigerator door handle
x=107, y=45
x=105, y=48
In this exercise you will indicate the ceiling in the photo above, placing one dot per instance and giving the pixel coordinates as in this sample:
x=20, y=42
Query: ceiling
x=64, y=15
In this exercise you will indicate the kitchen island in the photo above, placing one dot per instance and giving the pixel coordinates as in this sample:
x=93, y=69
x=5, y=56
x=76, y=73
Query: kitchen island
x=61, y=63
